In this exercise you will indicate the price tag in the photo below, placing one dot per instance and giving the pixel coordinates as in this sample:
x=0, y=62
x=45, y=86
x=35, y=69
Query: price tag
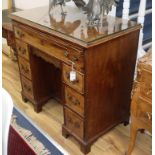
x=72, y=75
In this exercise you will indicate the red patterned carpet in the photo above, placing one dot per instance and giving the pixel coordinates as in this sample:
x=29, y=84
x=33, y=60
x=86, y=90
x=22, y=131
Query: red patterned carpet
x=17, y=145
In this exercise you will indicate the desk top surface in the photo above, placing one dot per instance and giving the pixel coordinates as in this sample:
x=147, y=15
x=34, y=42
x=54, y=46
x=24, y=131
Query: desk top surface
x=74, y=24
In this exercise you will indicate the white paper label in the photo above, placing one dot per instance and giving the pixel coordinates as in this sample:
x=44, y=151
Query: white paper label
x=72, y=75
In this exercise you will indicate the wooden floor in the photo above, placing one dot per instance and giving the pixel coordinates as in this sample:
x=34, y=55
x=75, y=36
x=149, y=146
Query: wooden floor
x=50, y=120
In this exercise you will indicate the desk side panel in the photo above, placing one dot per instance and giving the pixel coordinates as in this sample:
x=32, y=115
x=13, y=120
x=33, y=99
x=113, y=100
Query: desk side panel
x=108, y=83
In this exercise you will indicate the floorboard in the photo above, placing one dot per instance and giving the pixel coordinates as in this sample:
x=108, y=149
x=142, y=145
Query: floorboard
x=50, y=120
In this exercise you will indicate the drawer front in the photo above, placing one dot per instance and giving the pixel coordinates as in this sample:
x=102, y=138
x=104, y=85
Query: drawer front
x=78, y=84
x=27, y=87
x=22, y=49
x=54, y=49
x=74, y=123
x=144, y=110
x=24, y=67
x=74, y=100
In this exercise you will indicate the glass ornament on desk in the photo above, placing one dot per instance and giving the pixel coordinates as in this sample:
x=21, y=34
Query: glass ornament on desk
x=95, y=8
x=54, y=3
x=62, y=3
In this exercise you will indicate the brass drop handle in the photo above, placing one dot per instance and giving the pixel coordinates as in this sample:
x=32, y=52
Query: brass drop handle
x=73, y=100
x=20, y=34
x=25, y=69
x=149, y=115
x=74, y=59
x=66, y=54
x=76, y=102
x=22, y=50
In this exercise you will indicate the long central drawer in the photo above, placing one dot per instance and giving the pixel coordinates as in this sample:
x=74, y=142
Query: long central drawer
x=54, y=49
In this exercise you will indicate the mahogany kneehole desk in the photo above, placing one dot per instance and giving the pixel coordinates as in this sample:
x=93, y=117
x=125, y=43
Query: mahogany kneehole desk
x=104, y=58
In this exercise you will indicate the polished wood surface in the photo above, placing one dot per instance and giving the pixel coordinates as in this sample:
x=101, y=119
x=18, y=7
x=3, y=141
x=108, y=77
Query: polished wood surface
x=114, y=142
x=112, y=77
x=73, y=26
x=103, y=61
x=141, y=106
x=73, y=123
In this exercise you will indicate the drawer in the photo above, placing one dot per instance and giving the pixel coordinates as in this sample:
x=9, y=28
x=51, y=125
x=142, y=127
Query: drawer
x=24, y=67
x=50, y=47
x=74, y=123
x=27, y=87
x=22, y=49
x=144, y=110
x=74, y=100
x=78, y=84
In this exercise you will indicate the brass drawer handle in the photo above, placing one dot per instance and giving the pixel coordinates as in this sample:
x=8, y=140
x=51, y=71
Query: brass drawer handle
x=66, y=54
x=20, y=34
x=75, y=59
x=22, y=50
x=25, y=69
x=76, y=102
x=149, y=115
x=73, y=100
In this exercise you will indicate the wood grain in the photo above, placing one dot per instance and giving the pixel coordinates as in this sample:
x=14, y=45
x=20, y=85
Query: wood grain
x=74, y=100
x=115, y=142
x=141, y=105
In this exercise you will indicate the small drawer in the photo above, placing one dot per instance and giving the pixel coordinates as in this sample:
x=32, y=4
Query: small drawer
x=78, y=84
x=18, y=33
x=144, y=110
x=74, y=123
x=74, y=100
x=22, y=49
x=24, y=67
x=27, y=87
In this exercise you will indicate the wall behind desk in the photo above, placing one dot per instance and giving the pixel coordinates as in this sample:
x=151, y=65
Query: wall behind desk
x=28, y=4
